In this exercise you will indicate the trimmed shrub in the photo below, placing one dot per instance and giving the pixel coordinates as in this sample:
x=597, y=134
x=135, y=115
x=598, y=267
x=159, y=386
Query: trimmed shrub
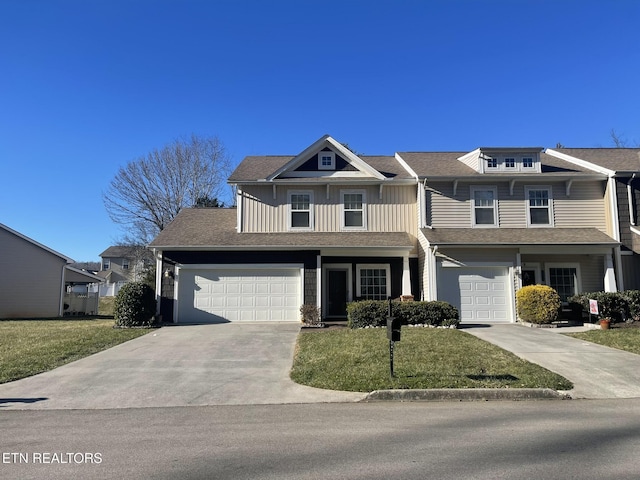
x=311, y=314
x=135, y=305
x=373, y=313
x=618, y=306
x=538, y=304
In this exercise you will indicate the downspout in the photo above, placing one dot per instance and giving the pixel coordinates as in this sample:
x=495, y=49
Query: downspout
x=613, y=192
x=61, y=304
x=632, y=218
x=159, y=275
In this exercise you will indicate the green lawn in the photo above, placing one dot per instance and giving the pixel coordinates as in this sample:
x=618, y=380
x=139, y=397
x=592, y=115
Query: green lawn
x=627, y=339
x=358, y=360
x=28, y=347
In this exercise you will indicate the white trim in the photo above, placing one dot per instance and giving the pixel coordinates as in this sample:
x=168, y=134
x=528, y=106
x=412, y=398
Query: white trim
x=343, y=226
x=635, y=230
x=549, y=190
x=578, y=280
x=239, y=204
x=319, y=283
x=159, y=274
x=343, y=267
x=632, y=212
x=377, y=266
x=581, y=163
x=308, y=228
x=406, y=166
x=477, y=188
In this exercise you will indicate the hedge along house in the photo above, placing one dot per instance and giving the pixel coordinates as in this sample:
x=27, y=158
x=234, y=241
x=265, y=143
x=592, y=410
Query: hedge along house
x=323, y=227
x=496, y=219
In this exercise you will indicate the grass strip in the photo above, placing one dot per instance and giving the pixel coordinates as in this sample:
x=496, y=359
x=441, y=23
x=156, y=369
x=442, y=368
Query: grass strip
x=29, y=347
x=627, y=339
x=358, y=360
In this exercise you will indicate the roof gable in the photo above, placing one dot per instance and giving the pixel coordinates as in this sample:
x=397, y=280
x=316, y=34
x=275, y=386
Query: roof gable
x=302, y=165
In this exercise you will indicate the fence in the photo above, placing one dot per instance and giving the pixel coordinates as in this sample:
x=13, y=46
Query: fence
x=106, y=289
x=81, y=303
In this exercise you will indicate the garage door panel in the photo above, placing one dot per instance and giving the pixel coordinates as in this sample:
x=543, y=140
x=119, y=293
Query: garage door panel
x=479, y=293
x=221, y=295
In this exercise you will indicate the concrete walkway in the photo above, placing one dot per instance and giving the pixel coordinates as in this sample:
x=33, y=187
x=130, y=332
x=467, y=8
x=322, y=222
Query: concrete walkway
x=223, y=364
x=596, y=371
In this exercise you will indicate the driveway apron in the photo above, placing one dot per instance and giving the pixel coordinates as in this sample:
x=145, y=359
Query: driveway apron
x=596, y=371
x=222, y=364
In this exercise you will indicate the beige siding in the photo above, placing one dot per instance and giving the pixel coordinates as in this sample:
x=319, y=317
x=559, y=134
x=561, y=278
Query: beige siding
x=468, y=255
x=584, y=207
x=396, y=211
x=31, y=284
x=591, y=268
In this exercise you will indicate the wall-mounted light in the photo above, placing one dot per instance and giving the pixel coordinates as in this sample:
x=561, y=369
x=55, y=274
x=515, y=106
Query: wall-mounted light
x=168, y=273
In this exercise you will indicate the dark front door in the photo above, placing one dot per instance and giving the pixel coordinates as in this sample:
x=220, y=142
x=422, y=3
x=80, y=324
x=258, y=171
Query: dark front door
x=528, y=277
x=336, y=293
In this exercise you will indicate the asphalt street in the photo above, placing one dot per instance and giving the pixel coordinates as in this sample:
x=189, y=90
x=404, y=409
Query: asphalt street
x=573, y=439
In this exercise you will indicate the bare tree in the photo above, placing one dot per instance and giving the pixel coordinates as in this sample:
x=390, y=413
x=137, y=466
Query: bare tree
x=618, y=140
x=147, y=193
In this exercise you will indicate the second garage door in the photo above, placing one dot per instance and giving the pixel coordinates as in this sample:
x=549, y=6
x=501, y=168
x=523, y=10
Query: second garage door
x=480, y=293
x=243, y=294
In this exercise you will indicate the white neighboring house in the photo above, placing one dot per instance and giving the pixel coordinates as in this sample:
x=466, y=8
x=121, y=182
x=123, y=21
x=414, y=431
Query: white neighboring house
x=35, y=277
x=120, y=264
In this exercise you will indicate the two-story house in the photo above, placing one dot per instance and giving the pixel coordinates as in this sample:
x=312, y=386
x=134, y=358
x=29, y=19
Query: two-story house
x=120, y=264
x=323, y=227
x=496, y=219
x=622, y=168
x=327, y=226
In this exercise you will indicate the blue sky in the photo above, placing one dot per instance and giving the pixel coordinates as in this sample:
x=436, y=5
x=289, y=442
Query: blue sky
x=88, y=85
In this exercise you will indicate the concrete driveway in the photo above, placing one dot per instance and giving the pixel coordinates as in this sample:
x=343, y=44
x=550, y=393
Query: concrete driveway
x=223, y=364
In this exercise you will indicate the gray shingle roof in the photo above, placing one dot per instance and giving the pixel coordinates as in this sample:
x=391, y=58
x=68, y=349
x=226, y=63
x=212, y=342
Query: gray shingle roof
x=446, y=164
x=617, y=159
x=517, y=236
x=216, y=228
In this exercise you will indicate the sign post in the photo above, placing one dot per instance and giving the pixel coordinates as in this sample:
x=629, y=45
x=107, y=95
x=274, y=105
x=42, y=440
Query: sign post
x=393, y=333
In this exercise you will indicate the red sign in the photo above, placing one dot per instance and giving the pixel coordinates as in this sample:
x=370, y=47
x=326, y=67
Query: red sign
x=593, y=307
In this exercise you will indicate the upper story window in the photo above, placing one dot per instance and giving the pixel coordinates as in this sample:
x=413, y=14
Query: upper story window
x=492, y=163
x=509, y=162
x=106, y=264
x=539, y=206
x=354, y=215
x=125, y=264
x=484, y=206
x=527, y=162
x=326, y=161
x=301, y=210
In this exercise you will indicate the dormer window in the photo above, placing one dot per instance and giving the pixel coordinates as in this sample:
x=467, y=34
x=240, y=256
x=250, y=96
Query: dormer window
x=326, y=161
x=527, y=162
x=509, y=162
x=492, y=163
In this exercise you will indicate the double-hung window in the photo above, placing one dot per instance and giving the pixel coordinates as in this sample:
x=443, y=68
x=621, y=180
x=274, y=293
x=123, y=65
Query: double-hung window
x=301, y=210
x=373, y=281
x=354, y=215
x=484, y=206
x=509, y=162
x=125, y=264
x=539, y=206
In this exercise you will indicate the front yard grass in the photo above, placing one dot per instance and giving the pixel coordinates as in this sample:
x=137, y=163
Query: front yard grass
x=627, y=339
x=29, y=347
x=358, y=360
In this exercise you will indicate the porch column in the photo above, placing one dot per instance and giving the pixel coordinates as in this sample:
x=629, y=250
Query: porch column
x=609, y=274
x=406, y=276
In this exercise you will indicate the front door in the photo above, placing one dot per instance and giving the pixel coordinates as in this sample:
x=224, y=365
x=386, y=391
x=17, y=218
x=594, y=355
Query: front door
x=337, y=293
x=528, y=277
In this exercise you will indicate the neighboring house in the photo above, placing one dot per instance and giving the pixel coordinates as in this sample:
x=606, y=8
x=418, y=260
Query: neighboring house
x=120, y=264
x=78, y=300
x=324, y=227
x=33, y=277
x=496, y=219
x=327, y=226
x=622, y=168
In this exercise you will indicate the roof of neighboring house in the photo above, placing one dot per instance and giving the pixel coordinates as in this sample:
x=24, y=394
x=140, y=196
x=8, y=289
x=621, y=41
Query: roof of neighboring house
x=256, y=168
x=119, y=251
x=487, y=237
x=77, y=275
x=446, y=164
x=37, y=244
x=616, y=159
x=216, y=227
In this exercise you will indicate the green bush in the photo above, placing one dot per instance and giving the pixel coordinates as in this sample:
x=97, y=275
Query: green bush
x=617, y=306
x=135, y=305
x=538, y=304
x=373, y=313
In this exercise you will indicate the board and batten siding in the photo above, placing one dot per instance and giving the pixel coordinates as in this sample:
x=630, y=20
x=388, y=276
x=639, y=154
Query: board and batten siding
x=584, y=207
x=396, y=211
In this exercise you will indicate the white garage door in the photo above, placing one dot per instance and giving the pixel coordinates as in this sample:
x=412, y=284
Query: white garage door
x=234, y=295
x=479, y=293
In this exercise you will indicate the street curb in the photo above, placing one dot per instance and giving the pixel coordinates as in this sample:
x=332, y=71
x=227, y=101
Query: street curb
x=465, y=395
